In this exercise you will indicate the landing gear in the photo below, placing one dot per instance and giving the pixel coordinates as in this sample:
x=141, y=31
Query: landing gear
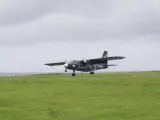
x=65, y=70
x=73, y=74
x=91, y=73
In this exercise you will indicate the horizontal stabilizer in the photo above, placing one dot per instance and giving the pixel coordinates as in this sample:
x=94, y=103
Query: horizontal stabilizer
x=112, y=65
x=55, y=64
x=115, y=58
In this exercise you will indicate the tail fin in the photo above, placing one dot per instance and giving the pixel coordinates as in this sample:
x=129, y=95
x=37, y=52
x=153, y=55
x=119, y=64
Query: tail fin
x=105, y=54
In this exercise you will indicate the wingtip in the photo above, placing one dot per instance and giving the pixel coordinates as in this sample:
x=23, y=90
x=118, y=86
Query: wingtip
x=46, y=64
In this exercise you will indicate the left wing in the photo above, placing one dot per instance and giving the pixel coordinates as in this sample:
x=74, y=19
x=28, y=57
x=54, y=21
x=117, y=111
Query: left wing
x=55, y=64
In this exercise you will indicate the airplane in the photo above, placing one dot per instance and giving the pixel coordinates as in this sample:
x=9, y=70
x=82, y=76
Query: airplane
x=89, y=65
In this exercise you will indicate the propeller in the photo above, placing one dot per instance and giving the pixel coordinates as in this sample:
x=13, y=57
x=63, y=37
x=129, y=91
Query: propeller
x=66, y=64
x=84, y=60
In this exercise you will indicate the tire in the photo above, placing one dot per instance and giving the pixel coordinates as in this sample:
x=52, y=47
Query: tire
x=73, y=74
x=91, y=73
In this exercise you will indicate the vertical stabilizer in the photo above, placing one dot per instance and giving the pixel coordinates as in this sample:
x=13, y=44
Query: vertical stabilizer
x=105, y=54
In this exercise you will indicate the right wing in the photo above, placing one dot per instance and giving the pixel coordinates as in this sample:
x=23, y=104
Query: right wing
x=55, y=64
x=96, y=61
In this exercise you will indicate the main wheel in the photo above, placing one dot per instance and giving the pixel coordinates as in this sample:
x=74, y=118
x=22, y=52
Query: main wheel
x=65, y=70
x=91, y=73
x=73, y=74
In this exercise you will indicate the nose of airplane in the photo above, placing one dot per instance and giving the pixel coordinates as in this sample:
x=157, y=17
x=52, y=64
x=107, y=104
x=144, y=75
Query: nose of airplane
x=66, y=65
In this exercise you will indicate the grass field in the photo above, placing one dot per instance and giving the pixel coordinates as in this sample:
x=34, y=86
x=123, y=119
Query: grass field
x=110, y=96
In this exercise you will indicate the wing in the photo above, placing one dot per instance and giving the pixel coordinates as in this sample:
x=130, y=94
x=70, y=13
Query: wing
x=115, y=58
x=97, y=61
x=103, y=60
x=55, y=64
x=112, y=65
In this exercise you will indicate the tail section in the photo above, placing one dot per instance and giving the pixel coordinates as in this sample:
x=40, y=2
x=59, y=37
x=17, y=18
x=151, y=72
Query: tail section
x=105, y=54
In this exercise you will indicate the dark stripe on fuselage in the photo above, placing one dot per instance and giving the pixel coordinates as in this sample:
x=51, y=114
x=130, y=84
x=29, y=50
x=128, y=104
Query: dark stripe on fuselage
x=88, y=68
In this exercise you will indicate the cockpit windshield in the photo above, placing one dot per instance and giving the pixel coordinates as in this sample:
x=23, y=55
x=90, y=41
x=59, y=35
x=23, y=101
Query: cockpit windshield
x=72, y=62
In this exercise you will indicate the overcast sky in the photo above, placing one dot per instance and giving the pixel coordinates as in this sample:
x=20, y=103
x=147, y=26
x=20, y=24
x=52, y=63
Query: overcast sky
x=35, y=32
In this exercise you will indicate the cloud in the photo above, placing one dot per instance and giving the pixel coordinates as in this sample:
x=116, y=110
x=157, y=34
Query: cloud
x=56, y=30
x=77, y=21
x=18, y=11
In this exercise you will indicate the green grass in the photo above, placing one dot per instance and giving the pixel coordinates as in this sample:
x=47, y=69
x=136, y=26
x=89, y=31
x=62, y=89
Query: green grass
x=111, y=96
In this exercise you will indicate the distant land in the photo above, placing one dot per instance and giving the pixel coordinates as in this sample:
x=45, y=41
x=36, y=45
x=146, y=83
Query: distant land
x=34, y=73
x=14, y=74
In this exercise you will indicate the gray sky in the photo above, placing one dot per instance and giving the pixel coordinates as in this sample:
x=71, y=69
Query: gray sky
x=34, y=32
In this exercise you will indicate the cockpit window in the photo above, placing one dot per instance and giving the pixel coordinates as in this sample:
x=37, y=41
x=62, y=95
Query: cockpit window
x=72, y=62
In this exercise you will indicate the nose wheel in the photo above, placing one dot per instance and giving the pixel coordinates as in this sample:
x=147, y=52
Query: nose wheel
x=91, y=73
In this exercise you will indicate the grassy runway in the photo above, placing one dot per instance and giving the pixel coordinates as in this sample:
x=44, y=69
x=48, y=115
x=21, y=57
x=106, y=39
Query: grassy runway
x=110, y=96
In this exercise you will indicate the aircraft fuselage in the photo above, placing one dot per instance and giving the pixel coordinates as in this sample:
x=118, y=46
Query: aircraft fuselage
x=87, y=67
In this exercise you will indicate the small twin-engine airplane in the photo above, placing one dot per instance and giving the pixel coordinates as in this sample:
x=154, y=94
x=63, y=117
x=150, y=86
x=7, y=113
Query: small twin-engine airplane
x=89, y=65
